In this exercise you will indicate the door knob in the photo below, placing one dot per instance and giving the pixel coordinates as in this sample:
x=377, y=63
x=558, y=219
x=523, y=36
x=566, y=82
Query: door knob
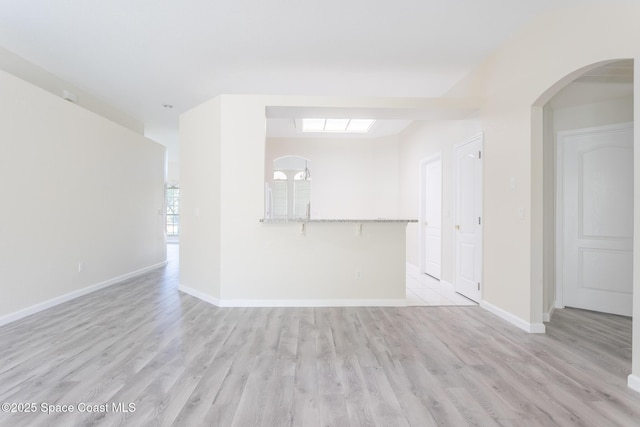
x=458, y=227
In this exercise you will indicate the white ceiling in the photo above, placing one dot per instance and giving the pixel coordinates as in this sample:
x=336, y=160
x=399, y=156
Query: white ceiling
x=138, y=55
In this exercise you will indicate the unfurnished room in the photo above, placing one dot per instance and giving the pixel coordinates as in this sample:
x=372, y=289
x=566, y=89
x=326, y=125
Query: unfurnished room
x=303, y=213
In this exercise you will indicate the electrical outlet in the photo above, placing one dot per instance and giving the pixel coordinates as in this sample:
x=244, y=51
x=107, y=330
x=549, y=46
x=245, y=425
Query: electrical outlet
x=358, y=274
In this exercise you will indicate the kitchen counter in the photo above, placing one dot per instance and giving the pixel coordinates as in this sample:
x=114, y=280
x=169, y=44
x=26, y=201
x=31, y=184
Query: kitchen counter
x=319, y=220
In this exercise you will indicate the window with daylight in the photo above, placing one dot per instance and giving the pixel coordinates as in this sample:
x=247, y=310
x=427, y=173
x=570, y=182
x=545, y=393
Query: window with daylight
x=173, y=211
x=301, y=198
x=280, y=199
x=290, y=189
x=279, y=176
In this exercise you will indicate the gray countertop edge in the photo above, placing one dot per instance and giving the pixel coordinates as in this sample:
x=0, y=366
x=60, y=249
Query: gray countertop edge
x=359, y=221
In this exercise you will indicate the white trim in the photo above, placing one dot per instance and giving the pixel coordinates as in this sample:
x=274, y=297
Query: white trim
x=559, y=285
x=560, y=148
x=20, y=314
x=314, y=302
x=546, y=317
x=422, y=242
x=633, y=381
x=293, y=302
x=200, y=295
x=532, y=328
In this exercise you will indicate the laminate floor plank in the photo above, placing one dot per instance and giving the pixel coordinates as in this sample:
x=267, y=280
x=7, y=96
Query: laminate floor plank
x=333, y=411
x=180, y=361
x=252, y=405
x=436, y=400
x=358, y=402
x=305, y=411
x=241, y=348
x=496, y=404
x=278, y=406
x=384, y=402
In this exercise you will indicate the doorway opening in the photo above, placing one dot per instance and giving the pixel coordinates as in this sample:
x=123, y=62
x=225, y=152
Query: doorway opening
x=172, y=216
x=587, y=180
x=431, y=216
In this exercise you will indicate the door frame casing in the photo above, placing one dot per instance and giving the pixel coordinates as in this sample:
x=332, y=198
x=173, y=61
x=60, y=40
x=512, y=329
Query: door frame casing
x=560, y=205
x=477, y=137
x=422, y=238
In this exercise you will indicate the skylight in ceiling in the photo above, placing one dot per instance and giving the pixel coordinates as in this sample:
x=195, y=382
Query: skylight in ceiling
x=360, y=125
x=313, y=125
x=337, y=125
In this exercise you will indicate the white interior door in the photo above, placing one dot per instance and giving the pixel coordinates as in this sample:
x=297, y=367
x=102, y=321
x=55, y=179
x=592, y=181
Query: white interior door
x=432, y=215
x=597, y=228
x=468, y=215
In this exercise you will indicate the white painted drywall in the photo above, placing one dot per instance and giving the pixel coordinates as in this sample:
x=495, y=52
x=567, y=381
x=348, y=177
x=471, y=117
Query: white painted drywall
x=263, y=261
x=200, y=204
x=31, y=73
x=593, y=114
x=549, y=213
x=634, y=379
x=223, y=167
x=173, y=173
x=350, y=178
x=515, y=82
x=76, y=188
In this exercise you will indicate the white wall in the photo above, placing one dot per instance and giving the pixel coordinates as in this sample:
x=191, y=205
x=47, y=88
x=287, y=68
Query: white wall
x=419, y=141
x=76, y=188
x=200, y=198
x=599, y=113
x=634, y=378
x=33, y=74
x=350, y=178
x=244, y=261
x=515, y=83
x=173, y=173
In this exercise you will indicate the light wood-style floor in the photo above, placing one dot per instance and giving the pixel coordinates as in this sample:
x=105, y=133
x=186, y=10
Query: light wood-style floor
x=184, y=362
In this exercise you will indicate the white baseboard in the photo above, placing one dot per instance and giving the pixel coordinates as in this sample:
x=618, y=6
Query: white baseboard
x=532, y=328
x=20, y=314
x=546, y=317
x=633, y=381
x=382, y=302
x=200, y=295
x=314, y=303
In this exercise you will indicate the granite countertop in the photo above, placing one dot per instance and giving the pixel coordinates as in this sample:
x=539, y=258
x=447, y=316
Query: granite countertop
x=305, y=220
